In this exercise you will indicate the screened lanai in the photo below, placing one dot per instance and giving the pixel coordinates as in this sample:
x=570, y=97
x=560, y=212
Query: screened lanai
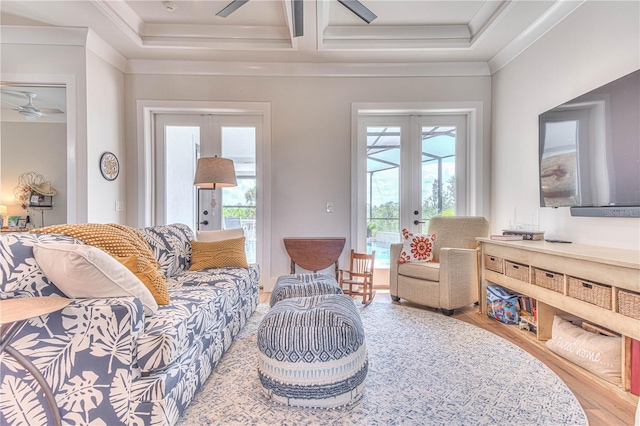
x=383, y=183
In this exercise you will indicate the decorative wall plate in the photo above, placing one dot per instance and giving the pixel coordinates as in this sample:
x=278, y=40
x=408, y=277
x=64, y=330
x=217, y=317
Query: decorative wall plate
x=109, y=166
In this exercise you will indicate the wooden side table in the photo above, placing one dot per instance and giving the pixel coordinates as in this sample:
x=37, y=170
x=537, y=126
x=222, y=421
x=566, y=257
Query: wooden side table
x=314, y=254
x=14, y=313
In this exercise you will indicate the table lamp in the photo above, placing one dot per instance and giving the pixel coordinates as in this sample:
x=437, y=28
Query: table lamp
x=211, y=173
x=3, y=214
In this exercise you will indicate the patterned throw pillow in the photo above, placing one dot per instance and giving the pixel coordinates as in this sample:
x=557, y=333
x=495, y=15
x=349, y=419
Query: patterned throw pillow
x=417, y=248
x=218, y=254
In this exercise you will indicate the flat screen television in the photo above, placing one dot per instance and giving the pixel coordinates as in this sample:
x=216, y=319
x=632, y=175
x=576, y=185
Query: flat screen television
x=589, y=151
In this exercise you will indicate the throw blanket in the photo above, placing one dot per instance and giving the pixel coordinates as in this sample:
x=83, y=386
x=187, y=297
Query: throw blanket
x=125, y=244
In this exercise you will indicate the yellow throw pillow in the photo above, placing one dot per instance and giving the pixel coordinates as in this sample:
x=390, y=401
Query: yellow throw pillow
x=149, y=277
x=218, y=254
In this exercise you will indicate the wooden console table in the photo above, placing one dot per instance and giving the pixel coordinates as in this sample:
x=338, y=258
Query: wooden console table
x=615, y=270
x=314, y=254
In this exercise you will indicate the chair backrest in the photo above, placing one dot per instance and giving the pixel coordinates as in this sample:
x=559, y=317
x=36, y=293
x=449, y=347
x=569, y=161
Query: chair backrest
x=457, y=231
x=232, y=222
x=361, y=263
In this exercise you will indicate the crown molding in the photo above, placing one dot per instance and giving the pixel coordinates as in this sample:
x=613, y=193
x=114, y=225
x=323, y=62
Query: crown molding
x=551, y=17
x=263, y=69
x=63, y=36
x=404, y=37
x=104, y=50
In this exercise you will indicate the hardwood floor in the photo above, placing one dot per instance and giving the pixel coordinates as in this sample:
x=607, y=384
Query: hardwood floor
x=602, y=405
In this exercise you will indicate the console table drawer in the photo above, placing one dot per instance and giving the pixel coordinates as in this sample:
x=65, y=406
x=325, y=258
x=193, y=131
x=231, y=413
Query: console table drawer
x=516, y=270
x=547, y=279
x=594, y=293
x=494, y=263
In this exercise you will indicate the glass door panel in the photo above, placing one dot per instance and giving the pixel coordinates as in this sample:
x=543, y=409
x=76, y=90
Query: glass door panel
x=383, y=190
x=239, y=202
x=438, y=172
x=182, y=149
x=415, y=169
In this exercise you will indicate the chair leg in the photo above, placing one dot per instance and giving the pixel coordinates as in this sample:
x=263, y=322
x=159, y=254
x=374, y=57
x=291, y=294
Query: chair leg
x=395, y=298
x=447, y=312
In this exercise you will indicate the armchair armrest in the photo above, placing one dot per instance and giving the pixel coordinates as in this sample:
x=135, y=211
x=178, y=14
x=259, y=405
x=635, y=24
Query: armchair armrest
x=458, y=277
x=87, y=354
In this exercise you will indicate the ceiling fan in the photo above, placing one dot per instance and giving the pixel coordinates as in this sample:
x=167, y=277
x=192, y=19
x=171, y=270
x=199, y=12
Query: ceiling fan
x=353, y=5
x=29, y=111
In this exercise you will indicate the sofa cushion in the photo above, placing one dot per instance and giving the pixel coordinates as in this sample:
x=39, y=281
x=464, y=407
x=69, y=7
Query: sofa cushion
x=175, y=327
x=83, y=271
x=22, y=273
x=202, y=303
x=422, y=270
x=170, y=245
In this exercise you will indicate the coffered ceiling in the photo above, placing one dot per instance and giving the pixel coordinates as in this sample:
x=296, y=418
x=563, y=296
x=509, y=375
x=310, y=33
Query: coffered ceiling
x=405, y=31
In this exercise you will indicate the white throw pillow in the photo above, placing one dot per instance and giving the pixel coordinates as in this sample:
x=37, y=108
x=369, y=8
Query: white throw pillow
x=83, y=271
x=214, y=236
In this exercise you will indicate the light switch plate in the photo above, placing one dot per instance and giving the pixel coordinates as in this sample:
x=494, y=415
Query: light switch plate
x=329, y=207
x=119, y=206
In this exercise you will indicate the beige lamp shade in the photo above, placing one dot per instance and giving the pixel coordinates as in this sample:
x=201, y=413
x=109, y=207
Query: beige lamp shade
x=215, y=172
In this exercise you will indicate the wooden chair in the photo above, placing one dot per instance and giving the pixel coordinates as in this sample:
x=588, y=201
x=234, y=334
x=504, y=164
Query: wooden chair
x=360, y=276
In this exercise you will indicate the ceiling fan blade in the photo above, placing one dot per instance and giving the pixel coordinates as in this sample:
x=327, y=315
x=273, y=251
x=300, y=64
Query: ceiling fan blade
x=359, y=9
x=55, y=117
x=298, y=21
x=231, y=7
x=51, y=111
x=10, y=103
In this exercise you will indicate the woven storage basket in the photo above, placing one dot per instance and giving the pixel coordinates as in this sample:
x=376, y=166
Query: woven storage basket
x=516, y=270
x=493, y=263
x=551, y=280
x=629, y=304
x=594, y=293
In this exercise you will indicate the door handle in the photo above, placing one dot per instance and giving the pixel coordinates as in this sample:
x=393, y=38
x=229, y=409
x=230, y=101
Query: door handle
x=204, y=222
x=417, y=222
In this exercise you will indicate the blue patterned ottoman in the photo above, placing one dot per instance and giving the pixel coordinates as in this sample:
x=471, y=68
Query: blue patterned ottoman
x=313, y=352
x=303, y=285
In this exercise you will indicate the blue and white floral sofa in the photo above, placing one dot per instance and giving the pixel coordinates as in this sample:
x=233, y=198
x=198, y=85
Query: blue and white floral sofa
x=106, y=362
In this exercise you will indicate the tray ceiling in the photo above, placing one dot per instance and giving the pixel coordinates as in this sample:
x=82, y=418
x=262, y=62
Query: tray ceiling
x=408, y=31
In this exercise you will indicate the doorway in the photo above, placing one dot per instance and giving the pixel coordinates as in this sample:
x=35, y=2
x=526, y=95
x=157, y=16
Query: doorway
x=415, y=168
x=180, y=140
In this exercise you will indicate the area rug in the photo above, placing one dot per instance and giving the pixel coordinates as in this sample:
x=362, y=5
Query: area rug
x=424, y=369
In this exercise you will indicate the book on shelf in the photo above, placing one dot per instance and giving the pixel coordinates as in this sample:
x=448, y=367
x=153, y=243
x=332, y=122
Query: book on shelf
x=507, y=237
x=526, y=235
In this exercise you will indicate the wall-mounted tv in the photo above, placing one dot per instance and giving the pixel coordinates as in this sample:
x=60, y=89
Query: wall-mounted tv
x=589, y=151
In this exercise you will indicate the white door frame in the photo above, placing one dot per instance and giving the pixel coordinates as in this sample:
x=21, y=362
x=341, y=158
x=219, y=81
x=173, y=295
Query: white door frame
x=475, y=155
x=146, y=109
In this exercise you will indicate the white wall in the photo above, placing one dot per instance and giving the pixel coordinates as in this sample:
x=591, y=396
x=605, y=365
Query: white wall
x=598, y=43
x=105, y=132
x=311, y=137
x=35, y=147
x=35, y=63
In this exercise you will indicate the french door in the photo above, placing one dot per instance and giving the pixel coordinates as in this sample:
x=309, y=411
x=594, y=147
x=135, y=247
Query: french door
x=183, y=138
x=415, y=169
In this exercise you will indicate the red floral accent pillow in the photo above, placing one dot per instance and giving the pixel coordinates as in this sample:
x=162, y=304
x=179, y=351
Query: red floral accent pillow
x=417, y=248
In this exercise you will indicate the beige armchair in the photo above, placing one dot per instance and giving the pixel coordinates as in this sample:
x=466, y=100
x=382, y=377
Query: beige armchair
x=451, y=280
